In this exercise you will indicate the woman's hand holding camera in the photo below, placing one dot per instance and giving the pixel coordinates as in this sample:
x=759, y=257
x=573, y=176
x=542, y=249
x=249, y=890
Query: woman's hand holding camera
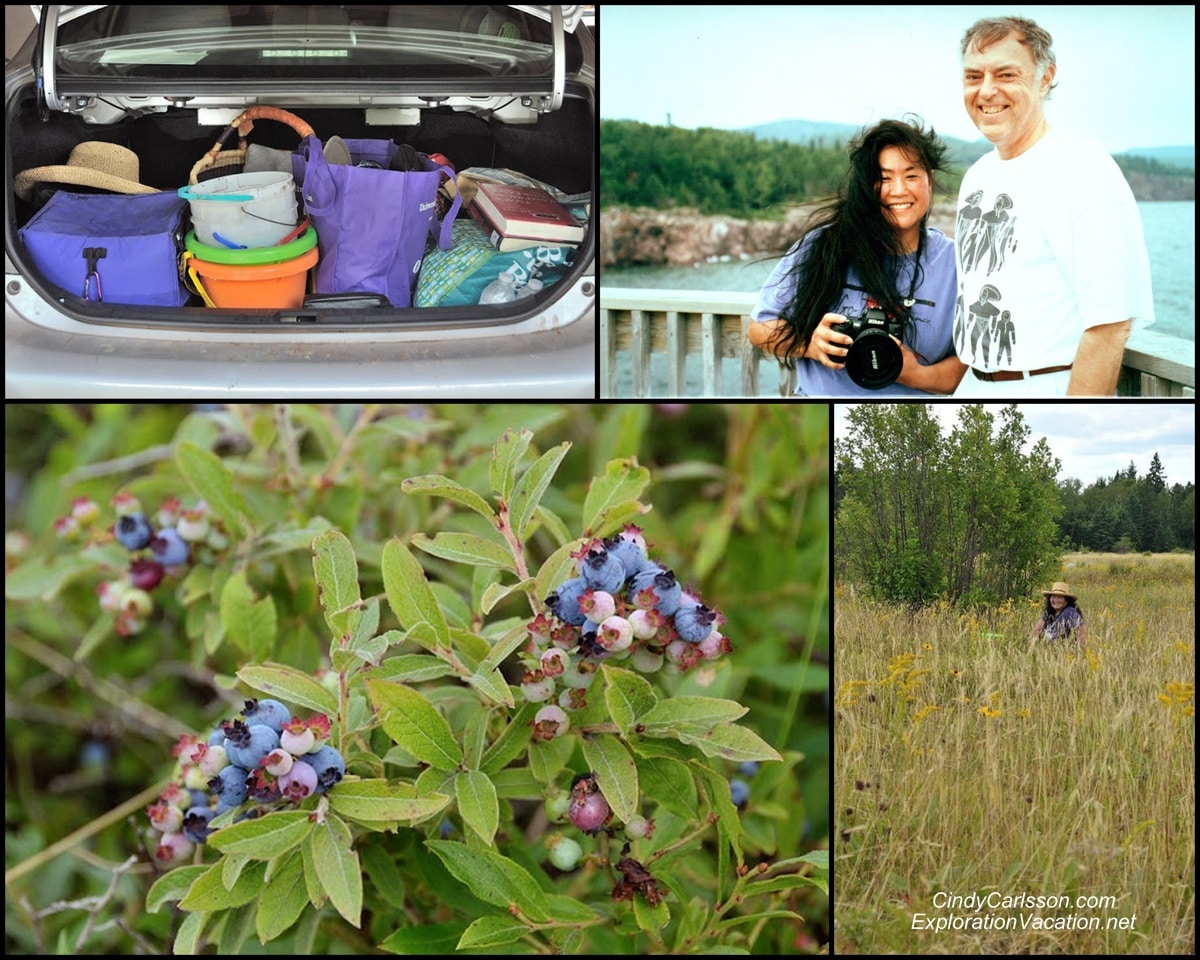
x=827, y=346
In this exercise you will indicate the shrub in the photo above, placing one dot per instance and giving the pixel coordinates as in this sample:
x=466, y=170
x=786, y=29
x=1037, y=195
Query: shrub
x=389, y=569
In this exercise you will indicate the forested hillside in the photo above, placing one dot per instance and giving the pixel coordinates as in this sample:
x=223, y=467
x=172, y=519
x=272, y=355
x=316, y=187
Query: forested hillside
x=737, y=174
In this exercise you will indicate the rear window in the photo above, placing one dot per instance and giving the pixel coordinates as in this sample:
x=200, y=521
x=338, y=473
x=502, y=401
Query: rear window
x=470, y=41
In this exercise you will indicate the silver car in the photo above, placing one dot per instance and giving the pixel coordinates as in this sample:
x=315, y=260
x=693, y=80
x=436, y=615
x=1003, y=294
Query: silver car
x=501, y=87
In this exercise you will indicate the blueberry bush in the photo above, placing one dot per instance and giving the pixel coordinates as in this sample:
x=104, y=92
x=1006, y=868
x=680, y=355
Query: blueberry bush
x=416, y=679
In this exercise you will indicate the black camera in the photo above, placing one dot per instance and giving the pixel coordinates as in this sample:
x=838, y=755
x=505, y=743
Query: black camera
x=873, y=360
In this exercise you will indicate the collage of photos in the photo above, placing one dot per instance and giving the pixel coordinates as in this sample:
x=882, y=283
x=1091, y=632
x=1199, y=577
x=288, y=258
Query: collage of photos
x=600, y=679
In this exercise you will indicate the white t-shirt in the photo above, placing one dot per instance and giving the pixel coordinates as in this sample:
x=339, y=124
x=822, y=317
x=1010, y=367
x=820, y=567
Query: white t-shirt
x=928, y=336
x=1049, y=243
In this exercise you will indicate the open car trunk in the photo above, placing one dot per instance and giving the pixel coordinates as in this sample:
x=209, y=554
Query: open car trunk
x=170, y=129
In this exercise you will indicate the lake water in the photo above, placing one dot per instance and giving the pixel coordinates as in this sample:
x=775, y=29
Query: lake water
x=1169, y=229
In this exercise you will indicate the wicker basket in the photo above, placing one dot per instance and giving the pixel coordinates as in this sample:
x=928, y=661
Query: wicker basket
x=219, y=162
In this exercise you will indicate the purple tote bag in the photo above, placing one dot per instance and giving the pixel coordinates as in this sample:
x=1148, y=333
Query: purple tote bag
x=372, y=225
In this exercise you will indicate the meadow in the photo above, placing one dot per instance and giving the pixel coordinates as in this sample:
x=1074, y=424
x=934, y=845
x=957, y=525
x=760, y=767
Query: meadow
x=994, y=795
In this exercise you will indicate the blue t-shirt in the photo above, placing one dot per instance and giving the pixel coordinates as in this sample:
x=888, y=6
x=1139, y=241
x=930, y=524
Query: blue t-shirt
x=930, y=336
x=1068, y=619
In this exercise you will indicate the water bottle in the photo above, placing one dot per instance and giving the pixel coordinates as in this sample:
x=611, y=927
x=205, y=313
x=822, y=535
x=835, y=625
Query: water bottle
x=500, y=290
x=532, y=288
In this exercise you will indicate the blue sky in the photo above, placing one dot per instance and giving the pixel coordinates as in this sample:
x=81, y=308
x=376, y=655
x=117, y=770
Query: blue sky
x=1126, y=74
x=1098, y=439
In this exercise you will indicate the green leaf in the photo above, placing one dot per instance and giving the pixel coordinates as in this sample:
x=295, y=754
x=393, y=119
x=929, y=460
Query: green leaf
x=377, y=801
x=681, y=712
x=426, y=940
x=414, y=724
x=670, y=783
x=506, y=454
x=336, y=570
x=627, y=696
x=466, y=548
x=616, y=773
x=731, y=742
x=213, y=483
x=608, y=495
x=527, y=494
x=477, y=803
x=511, y=742
x=264, y=838
x=412, y=668
x=336, y=865
x=208, y=891
x=409, y=593
x=289, y=685
x=493, y=878
x=248, y=622
x=445, y=487
x=491, y=932
x=172, y=885
x=283, y=899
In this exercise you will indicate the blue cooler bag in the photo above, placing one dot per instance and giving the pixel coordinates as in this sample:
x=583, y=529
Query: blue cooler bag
x=111, y=248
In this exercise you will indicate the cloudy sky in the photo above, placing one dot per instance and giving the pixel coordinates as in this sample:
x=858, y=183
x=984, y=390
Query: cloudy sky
x=1097, y=439
x=1126, y=74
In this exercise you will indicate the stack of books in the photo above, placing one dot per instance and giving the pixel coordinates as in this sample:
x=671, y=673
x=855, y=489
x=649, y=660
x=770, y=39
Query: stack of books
x=516, y=217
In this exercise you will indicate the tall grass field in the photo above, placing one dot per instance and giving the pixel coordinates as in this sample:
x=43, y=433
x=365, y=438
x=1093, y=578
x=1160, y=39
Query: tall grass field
x=995, y=795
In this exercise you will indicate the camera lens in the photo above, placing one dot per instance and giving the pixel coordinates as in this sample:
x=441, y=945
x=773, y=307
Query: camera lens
x=874, y=361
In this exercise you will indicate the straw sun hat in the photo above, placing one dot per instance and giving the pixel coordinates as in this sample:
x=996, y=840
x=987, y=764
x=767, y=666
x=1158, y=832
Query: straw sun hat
x=1060, y=589
x=105, y=166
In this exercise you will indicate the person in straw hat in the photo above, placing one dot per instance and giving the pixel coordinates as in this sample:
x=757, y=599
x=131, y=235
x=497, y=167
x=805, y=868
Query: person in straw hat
x=1061, y=617
x=94, y=164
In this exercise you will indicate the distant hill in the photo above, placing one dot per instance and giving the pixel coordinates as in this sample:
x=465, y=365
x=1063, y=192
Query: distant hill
x=1184, y=157
x=962, y=152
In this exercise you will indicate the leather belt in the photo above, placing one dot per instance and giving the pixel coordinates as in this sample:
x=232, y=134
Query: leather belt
x=1000, y=376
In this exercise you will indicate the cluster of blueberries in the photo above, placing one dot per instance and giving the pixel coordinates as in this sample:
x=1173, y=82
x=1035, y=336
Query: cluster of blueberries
x=157, y=546
x=266, y=756
x=622, y=605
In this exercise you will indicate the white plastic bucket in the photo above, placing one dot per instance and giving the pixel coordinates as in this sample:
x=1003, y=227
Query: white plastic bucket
x=243, y=209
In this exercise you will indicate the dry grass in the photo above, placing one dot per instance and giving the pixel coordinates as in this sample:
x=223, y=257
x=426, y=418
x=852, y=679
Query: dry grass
x=970, y=762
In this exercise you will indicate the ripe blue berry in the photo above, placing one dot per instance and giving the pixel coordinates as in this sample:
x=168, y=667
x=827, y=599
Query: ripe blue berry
x=739, y=792
x=169, y=548
x=230, y=787
x=270, y=713
x=328, y=765
x=630, y=553
x=133, y=531
x=246, y=745
x=195, y=823
x=694, y=621
x=602, y=570
x=664, y=590
x=564, y=602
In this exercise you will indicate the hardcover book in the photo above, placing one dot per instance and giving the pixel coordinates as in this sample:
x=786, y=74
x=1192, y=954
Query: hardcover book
x=528, y=213
x=506, y=244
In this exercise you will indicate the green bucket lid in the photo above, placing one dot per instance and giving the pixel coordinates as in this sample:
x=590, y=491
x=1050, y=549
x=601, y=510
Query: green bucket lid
x=253, y=256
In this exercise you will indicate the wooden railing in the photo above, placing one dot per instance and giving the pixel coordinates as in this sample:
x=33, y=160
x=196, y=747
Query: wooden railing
x=710, y=327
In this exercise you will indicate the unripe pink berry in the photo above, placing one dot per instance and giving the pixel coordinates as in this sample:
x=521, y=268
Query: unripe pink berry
x=615, y=634
x=554, y=662
x=299, y=782
x=536, y=686
x=173, y=847
x=550, y=722
x=597, y=605
x=278, y=762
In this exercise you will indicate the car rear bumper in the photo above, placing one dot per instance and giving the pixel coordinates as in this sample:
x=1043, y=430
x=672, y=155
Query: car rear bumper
x=43, y=363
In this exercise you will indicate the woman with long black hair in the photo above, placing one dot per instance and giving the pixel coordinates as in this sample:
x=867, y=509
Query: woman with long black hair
x=870, y=249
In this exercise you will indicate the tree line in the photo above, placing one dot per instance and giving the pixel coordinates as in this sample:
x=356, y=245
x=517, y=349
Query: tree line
x=736, y=174
x=973, y=518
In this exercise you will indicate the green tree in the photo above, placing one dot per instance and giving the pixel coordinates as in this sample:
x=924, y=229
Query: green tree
x=970, y=516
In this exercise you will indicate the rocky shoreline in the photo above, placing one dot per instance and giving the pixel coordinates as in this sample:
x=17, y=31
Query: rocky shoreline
x=680, y=238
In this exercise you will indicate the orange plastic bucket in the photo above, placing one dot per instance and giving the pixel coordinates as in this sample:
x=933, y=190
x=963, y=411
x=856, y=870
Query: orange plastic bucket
x=271, y=285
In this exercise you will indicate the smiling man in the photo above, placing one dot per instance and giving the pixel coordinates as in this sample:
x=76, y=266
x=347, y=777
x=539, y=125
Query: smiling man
x=1052, y=269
